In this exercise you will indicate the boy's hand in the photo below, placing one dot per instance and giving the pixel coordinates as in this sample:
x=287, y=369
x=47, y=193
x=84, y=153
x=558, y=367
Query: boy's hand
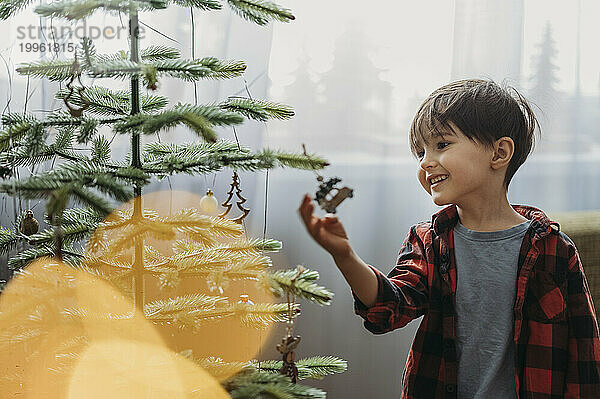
x=328, y=232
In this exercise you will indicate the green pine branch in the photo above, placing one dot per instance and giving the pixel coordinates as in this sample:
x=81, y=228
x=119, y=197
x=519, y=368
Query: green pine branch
x=252, y=244
x=269, y=159
x=8, y=8
x=78, y=176
x=71, y=234
x=157, y=149
x=55, y=70
x=20, y=156
x=166, y=159
x=101, y=150
x=295, y=160
x=74, y=10
x=201, y=4
x=216, y=367
x=304, y=286
x=87, y=130
x=260, y=11
x=31, y=132
x=156, y=53
x=104, y=101
x=89, y=55
x=188, y=70
x=86, y=197
x=200, y=119
x=263, y=384
x=193, y=310
x=79, y=216
x=24, y=131
x=17, y=126
x=222, y=69
x=8, y=240
x=258, y=109
x=152, y=124
x=159, y=61
x=101, y=100
x=315, y=367
x=13, y=135
x=213, y=114
x=70, y=256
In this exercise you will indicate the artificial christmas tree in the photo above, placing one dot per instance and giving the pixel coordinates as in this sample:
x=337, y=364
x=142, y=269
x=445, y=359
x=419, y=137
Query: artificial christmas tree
x=64, y=317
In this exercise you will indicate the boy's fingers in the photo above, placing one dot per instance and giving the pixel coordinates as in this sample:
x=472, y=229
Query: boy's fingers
x=306, y=214
x=305, y=201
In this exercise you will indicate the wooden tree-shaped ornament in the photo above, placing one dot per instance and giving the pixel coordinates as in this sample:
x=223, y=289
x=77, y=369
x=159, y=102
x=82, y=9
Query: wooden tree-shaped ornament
x=235, y=184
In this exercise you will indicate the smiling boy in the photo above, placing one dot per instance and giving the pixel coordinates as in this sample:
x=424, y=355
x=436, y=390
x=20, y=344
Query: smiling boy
x=507, y=311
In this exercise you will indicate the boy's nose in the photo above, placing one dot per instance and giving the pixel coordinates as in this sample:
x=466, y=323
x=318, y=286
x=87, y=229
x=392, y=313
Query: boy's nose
x=427, y=162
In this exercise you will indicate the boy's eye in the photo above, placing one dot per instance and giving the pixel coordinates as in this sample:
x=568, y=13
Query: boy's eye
x=421, y=154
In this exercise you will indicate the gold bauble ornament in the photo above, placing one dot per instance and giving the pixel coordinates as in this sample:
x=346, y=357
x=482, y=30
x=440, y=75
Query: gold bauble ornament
x=29, y=225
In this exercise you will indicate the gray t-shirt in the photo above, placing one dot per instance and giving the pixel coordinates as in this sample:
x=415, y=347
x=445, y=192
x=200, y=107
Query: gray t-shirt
x=486, y=265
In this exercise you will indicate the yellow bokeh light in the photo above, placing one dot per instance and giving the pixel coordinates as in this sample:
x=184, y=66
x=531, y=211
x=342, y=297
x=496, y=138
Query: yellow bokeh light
x=84, y=339
x=138, y=370
x=68, y=333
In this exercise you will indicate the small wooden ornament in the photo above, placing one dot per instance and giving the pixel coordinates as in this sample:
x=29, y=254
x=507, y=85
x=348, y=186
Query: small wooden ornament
x=235, y=184
x=76, y=73
x=286, y=348
x=29, y=225
x=328, y=201
x=289, y=342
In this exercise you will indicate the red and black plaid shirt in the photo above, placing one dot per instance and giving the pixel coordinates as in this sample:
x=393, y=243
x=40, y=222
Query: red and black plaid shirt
x=557, y=348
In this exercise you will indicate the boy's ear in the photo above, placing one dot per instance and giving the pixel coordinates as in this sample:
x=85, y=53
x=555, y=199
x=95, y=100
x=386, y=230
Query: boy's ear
x=504, y=149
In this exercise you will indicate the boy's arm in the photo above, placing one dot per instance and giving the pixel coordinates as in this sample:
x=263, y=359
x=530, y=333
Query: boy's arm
x=361, y=278
x=392, y=302
x=400, y=297
x=583, y=368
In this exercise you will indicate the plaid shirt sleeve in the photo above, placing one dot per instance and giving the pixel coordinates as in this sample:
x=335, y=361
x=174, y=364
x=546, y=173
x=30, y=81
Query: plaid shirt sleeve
x=583, y=368
x=403, y=295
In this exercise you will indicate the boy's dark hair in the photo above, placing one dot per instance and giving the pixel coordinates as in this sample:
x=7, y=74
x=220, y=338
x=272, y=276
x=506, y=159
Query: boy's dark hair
x=484, y=112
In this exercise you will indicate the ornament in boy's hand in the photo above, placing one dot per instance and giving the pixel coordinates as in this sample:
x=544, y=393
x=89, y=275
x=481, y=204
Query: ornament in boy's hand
x=330, y=197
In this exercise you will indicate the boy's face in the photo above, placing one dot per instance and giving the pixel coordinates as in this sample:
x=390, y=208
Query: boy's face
x=465, y=163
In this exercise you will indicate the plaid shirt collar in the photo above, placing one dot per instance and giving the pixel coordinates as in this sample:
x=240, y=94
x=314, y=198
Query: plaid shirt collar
x=541, y=225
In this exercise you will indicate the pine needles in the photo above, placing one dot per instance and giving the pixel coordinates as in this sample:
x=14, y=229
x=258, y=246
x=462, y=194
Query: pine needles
x=120, y=244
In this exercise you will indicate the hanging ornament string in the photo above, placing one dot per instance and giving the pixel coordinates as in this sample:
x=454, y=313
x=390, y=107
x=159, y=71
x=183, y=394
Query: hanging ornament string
x=265, y=210
x=289, y=342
